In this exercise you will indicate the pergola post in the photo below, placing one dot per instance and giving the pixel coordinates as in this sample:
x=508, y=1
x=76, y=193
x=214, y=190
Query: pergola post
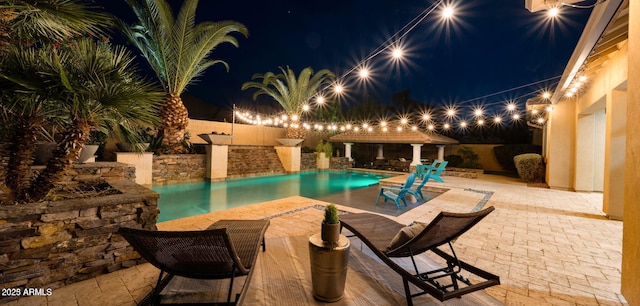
x=416, y=153
x=347, y=150
x=441, y=152
x=380, y=152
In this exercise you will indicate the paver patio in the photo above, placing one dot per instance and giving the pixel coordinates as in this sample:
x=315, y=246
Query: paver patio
x=549, y=247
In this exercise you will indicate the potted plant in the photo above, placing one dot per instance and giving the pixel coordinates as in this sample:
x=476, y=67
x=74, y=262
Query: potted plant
x=323, y=150
x=330, y=231
x=88, y=152
x=216, y=138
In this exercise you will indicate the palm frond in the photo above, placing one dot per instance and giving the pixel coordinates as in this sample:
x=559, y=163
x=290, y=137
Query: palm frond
x=56, y=20
x=289, y=91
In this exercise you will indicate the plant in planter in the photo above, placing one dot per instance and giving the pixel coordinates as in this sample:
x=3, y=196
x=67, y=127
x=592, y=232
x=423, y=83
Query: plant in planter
x=216, y=137
x=90, y=148
x=324, y=147
x=330, y=231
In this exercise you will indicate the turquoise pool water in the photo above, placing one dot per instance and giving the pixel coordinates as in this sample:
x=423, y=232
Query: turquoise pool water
x=190, y=199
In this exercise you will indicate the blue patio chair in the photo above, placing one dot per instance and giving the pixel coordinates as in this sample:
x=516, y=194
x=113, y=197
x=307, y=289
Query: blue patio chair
x=417, y=192
x=397, y=194
x=421, y=169
x=436, y=170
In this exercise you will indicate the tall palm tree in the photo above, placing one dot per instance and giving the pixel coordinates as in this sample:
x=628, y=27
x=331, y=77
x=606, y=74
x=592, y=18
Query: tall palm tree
x=90, y=85
x=178, y=50
x=291, y=92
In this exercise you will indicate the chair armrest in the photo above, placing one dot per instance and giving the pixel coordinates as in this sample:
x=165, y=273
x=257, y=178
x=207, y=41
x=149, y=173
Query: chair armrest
x=390, y=188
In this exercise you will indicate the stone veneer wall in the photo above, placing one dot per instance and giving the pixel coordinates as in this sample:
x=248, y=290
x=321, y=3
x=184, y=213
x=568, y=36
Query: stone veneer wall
x=339, y=163
x=179, y=168
x=308, y=161
x=52, y=244
x=253, y=160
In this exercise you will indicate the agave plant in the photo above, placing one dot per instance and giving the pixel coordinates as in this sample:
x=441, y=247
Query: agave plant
x=87, y=86
x=178, y=50
x=291, y=92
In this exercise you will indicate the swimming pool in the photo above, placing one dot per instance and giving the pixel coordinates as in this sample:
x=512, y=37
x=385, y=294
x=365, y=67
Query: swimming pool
x=190, y=199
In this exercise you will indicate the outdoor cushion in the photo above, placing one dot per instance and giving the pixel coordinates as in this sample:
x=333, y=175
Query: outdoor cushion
x=405, y=234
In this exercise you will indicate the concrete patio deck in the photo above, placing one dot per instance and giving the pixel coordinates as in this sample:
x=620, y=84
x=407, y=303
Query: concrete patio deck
x=549, y=247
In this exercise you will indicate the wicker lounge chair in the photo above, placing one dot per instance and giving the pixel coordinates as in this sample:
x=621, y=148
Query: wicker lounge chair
x=227, y=249
x=379, y=234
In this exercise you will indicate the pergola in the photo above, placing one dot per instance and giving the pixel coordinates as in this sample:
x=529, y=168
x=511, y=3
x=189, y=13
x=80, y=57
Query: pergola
x=415, y=138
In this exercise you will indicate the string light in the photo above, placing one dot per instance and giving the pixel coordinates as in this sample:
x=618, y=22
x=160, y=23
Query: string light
x=396, y=52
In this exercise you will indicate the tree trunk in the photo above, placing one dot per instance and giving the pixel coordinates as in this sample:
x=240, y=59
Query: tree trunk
x=175, y=118
x=297, y=133
x=22, y=145
x=74, y=138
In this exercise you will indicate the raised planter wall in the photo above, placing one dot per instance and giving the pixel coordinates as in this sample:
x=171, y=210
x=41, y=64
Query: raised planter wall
x=179, y=168
x=53, y=244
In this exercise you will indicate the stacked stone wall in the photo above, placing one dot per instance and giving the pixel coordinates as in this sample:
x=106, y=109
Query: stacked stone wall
x=179, y=168
x=339, y=163
x=308, y=161
x=253, y=160
x=48, y=245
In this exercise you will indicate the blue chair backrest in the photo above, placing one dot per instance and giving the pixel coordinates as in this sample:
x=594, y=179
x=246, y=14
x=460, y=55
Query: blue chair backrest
x=409, y=182
x=442, y=165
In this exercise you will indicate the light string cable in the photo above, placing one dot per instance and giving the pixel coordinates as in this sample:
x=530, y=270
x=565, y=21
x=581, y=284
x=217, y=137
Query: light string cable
x=511, y=89
x=396, y=36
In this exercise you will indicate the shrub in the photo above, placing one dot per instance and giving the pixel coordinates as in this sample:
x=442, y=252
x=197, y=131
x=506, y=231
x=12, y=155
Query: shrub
x=454, y=160
x=505, y=154
x=530, y=167
x=325, y=147
x=469, y=158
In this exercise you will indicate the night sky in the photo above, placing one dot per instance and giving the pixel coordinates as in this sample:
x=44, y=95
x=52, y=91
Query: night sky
x=491, y=46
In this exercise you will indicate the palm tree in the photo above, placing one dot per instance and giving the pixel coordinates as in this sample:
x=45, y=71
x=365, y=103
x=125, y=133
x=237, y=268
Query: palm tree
x=290, y=92
x=23, y=23
x=177, y=49
x=31, y=21
x=87, y=85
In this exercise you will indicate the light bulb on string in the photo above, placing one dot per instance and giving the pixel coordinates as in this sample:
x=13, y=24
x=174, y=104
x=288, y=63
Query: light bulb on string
x=516, y=117
x=320, y=100
x=511, y=106
x=478, y=112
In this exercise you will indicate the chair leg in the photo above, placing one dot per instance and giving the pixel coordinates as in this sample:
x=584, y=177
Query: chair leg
x=379, y=195
x=407, y=292
x=233, y=274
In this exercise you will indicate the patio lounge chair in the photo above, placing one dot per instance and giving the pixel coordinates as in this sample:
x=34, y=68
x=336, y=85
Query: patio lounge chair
x=397, y=194
x=228, y=248
x=435, y=169
x=388, y=239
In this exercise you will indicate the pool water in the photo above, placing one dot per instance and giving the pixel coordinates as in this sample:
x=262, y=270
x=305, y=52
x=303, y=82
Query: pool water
x=190, y=199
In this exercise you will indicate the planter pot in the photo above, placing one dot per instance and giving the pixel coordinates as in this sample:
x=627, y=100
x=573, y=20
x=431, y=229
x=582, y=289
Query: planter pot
x=330, y=233
x=323, y=161
x=216, y=139
x=87, y=153
x=125, y=147
x=289, y=142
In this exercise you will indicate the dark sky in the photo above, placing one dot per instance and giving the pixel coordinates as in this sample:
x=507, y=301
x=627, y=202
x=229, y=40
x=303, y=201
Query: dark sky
x=491, y=46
